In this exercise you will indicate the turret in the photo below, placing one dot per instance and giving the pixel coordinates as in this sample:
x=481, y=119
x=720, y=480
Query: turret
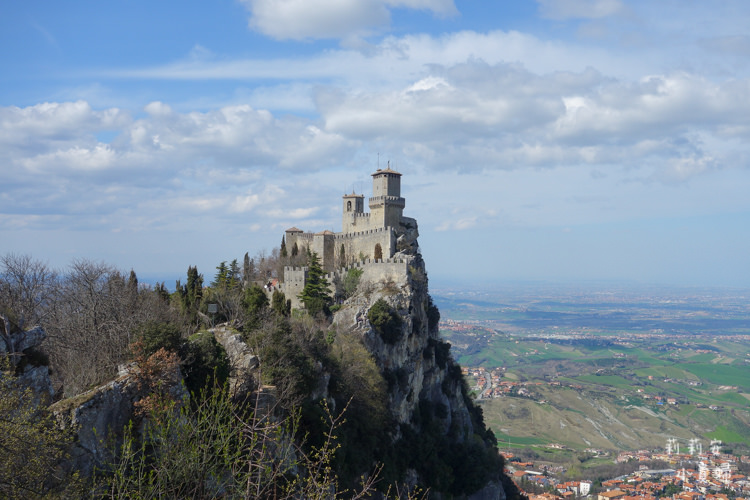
x=386, y=204
x=354, y=206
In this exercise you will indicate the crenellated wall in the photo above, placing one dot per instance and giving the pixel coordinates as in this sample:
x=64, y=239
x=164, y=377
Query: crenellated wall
x=372, y=271
x=361, y=234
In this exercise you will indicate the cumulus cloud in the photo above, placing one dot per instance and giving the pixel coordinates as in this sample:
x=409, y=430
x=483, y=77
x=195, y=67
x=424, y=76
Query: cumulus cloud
x=579, y=9
x=311, y=19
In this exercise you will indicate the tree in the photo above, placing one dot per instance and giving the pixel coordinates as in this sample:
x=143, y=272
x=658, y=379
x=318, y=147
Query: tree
x=295, y=249
x=342, y=256
x=233, y=275
x=316, y=296
x=255, y=303
x=248, y=270
x=93, y=314
x=283, y=247
x=351, y=281
x=280, y=305
x=220, y=280
x=27, y=289
x=378, y=252
x=191, y=293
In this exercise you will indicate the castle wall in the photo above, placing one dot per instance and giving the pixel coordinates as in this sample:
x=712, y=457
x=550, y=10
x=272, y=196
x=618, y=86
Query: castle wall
x=361, y=233
x=303, y=240
x=356, y=221
x=372, y=271
x=323, y=245
x=363, y=242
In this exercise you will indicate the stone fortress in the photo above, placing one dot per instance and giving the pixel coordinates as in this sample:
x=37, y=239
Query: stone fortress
x=377, y=241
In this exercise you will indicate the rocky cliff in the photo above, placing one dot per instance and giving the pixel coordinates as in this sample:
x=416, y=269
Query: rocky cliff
x=427, y=395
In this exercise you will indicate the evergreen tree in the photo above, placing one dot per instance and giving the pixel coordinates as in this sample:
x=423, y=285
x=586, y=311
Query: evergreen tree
x=191, y=292
x=342, y=256
x=280, y=304
x=220, y=280
x=247, y=270
x=233, y=275
x=133, y=282
x=283, y=247
x=316, y=296
x=295, y=249
x=255, y=302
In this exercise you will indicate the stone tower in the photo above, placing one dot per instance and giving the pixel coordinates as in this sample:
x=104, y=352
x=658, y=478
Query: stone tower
x=354, y=206
x=386, y=204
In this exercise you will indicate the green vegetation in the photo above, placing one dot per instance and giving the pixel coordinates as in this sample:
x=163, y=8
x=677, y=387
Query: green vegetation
x=351, y=282
x=385, y=320
x=272, y=435
x=316, y=296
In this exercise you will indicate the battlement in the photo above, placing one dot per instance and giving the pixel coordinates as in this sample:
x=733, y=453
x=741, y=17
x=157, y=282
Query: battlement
x=390, y=200
x=364, y=235
x=357, y=234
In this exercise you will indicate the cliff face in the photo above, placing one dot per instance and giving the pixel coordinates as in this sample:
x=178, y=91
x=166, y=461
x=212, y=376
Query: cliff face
x=426, y=392
x=414, y=365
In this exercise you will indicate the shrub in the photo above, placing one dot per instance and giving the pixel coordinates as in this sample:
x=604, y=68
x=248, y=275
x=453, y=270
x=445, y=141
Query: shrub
x=351, y=281
x=153, y=336
x=206, y=363
x=386, y=321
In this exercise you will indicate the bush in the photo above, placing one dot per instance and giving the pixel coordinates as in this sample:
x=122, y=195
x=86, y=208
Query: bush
x=351, y=281
x=206, y=363
x=154, y=336
x=386, y=321
x=433, y=314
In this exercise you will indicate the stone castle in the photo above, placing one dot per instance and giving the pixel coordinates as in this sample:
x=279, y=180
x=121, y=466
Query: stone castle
x=371, y=238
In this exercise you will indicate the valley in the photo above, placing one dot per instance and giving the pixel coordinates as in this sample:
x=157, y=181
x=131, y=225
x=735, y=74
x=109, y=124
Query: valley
x=603, y=370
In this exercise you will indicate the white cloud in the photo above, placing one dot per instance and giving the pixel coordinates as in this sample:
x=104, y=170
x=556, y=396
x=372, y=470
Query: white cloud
x=52, y=121
x=301, y=19
x=579, y=9
x=312, y=19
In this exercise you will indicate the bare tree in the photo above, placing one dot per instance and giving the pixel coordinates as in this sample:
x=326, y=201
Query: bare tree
x=95, y=316
x=27, y=288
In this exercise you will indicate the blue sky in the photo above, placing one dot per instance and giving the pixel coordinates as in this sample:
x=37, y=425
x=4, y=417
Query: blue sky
x=564, y=140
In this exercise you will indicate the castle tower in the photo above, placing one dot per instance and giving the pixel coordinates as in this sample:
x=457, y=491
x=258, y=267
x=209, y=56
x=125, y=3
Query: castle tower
x=354, y=206
x=386, y=204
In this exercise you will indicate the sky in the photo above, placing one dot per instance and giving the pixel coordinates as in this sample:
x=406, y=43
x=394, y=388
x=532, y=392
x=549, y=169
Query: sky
x=547, y=140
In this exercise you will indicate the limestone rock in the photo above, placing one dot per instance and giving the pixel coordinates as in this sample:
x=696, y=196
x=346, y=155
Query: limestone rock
x=242, y=361
x=98, y=417
x=37, y=379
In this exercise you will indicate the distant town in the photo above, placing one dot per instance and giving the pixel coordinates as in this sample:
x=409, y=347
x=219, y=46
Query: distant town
x=697, y=476
x=529, y=359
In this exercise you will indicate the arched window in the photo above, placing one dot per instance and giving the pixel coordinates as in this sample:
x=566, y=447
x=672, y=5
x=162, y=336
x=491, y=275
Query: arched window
x=349, y=206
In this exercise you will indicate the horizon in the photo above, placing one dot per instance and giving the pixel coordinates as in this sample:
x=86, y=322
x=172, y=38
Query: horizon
x=540, y=140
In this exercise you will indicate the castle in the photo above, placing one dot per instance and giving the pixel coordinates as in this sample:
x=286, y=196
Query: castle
x=373, y=237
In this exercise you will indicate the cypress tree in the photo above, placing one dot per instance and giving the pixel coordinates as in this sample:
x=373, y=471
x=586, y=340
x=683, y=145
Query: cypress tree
x=316, y=295
x=283, y=247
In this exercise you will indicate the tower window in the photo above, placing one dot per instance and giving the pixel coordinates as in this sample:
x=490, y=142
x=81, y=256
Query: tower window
x=349, y=206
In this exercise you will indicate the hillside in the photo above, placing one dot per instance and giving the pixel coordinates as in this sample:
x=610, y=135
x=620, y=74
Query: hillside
x=583, y=371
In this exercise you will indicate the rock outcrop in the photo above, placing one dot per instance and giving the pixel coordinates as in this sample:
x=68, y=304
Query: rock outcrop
x=242, y=361
x=31, y=368
x=424, y=381
x=98, y=417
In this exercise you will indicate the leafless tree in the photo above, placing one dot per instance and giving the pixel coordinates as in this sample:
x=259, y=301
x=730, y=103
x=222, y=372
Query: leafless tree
x=96, y=313
x=27, y=289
